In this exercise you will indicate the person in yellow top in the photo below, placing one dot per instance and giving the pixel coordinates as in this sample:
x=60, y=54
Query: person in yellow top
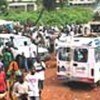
x=13, y=69
x=13, y=73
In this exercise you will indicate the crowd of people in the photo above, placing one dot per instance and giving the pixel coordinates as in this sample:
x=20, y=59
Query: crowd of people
x=23, y=78
x=17, y=80
x=46, y=34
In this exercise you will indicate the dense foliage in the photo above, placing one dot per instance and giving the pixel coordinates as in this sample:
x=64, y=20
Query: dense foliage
x=57, y=17
x=3, y=6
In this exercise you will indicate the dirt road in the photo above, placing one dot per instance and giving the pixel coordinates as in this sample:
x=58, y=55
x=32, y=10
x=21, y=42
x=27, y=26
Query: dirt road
x=56, y=90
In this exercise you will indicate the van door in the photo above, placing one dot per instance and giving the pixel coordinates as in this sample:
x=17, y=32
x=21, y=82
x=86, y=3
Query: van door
x=63, y=61
x=80, y=63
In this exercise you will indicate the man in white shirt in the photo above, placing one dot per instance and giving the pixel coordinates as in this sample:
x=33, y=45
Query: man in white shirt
x=20, y=89
x=40, y=71
x=33, y=80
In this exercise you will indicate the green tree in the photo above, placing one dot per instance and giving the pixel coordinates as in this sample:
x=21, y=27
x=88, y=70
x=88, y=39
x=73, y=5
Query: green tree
x=55, y=17
x=96, y=16
x=3, y=6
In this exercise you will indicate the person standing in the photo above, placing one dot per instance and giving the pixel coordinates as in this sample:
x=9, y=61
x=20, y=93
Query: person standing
x=25, y=61
x=33, y=82
x=40, y=71
x=13, y=69
x=12, y=74
x=3, y=84
x=7, y=58
x=20, y=89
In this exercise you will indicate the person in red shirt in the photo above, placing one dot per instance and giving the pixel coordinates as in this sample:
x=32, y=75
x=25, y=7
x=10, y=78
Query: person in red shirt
x=3, y=83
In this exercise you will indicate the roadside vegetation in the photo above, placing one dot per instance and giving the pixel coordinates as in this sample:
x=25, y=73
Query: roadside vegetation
x=65, y=15
x=56, y=17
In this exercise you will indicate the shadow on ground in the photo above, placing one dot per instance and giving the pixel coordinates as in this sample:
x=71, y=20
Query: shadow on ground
x=79, y=86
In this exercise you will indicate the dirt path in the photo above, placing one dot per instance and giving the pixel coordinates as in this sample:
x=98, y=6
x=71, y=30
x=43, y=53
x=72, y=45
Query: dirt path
x=56, y=90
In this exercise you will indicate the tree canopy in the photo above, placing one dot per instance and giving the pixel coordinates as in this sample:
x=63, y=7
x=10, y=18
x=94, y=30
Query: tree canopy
x=57, y=17
x=3, y=5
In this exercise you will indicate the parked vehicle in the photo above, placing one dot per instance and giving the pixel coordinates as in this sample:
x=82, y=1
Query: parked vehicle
x=21, y=44
x=83, y=65
x=61, y=41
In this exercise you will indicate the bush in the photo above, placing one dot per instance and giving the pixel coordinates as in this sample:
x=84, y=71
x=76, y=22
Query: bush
x=56, y=17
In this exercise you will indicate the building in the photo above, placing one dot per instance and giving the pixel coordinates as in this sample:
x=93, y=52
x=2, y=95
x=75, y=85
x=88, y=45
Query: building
x=81, y=2
x=21, y=0
x=23, y=5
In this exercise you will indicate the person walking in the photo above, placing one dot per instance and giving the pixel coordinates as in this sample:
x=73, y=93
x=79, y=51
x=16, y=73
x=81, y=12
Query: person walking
x=20, y=89
x=12, y=73
x=33, y=82
x=40, y=71
x=7, y=58
x=3, y=84
x=25, y=61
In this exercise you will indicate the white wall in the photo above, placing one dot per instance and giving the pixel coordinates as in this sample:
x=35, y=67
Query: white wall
x=81, y=1
x=21, y=0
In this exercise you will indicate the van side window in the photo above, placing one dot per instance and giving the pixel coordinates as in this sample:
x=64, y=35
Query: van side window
x=64, y=54
x=97, y=54
x=80, y=55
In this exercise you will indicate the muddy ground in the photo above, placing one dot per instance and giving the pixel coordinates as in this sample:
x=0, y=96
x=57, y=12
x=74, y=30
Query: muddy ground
x=55, y=89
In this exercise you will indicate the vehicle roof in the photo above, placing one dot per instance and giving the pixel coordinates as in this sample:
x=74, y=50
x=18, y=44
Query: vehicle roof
x=4, y=22
x=11, y=35
x=86, y=41
x=6, y=35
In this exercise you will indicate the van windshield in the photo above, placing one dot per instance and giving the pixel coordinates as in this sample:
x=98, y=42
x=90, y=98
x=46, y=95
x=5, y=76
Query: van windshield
x=80, y=55
x=64, y=54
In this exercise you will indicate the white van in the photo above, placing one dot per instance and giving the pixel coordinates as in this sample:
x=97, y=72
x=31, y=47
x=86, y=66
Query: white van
x=61, y=41
x=21, y=44
x=84, y=64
